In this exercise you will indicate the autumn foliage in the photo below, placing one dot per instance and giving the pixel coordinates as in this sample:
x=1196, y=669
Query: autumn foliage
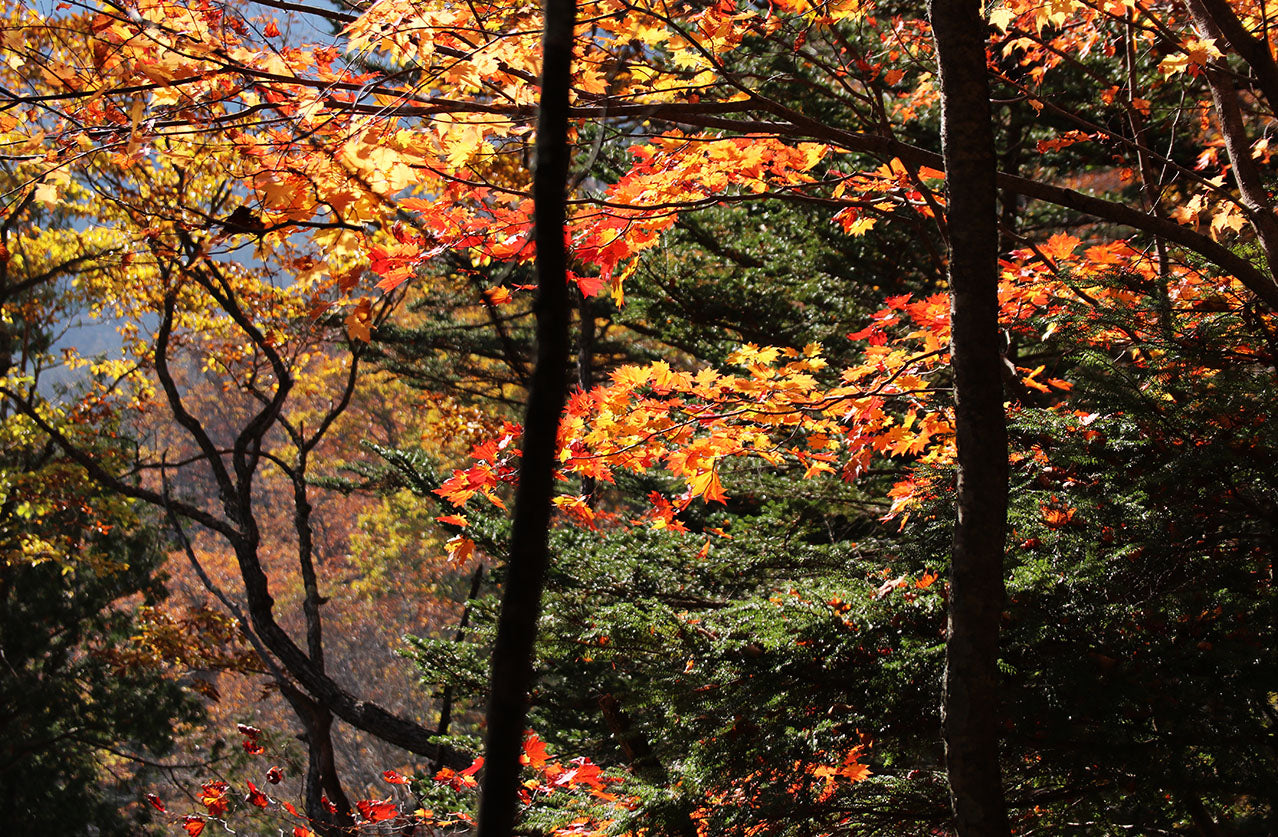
x=309, y=234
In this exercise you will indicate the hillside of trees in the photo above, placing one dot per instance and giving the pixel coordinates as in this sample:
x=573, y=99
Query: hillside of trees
x=620, y=417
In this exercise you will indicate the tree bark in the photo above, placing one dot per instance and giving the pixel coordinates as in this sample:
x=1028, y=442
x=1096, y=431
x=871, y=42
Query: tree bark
x=321, y=780
x=585, y=372
x=511, y=675
x=969, y=703
x=446, y=694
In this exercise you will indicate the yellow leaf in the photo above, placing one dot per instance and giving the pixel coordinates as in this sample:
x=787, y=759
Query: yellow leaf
x=47, y=194
x=861, y=225
x=358, y=322
x=1002, y=18
x=706, y=484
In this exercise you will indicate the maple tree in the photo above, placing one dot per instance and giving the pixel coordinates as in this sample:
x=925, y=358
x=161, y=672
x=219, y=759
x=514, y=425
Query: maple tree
x=211, y=300
x=80, y=586
x=199, y=132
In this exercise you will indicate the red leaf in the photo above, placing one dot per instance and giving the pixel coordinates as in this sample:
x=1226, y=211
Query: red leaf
x=274, y=775
x=156, y=803
x=194, y=825
x=256, y=797
x=584, y=773
x=271, y=30
x=534, y=751
x=290, y=808
x=376, y=811
x=458, y=781
x=298, y=831
x=213, y=797
x=588, y=285
x=395, y=778
x=250, y=739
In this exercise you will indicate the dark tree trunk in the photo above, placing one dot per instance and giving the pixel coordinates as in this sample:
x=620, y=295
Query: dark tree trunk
x=969, y=708
x=321, y=779
x=446, y=694
x=511, y=676
x=585, y=372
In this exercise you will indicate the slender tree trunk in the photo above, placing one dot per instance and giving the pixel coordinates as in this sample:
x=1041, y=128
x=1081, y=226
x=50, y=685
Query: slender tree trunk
x=511, y=676
x=321, y=769
x=446, y=694
x=585, y=371
x=969, y=709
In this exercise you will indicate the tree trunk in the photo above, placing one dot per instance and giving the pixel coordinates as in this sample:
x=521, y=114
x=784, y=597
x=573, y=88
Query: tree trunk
x=969, y=703
x=321, y=780
x=511, y=676
x=585, y=372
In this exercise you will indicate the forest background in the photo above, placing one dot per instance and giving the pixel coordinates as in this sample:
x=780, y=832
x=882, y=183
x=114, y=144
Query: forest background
x=260, y=568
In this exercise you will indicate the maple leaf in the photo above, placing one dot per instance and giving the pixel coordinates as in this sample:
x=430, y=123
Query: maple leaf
x=584, y=772
x=576, y=509
x=395, y=778
x=47, y=194
x=1229, y=218
x=463, y=485
x=463, y=779
x=256, y=797
x=534, y=754
x=1057, y=517
x=632, y=377
x=213, y=797
x=274, y=775
x=156, y=803
x=358, y=322
x=250, y=744
x=588, y=285
x=869, y=331
x=706, y=484
x=193, y=825
x=377, y=810
x=1060, y=246
x=460, y=549
x=498, y=296
x=1002, y=18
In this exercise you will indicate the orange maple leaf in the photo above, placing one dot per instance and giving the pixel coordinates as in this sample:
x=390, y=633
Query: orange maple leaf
x=706, y=484
x=460, y=549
